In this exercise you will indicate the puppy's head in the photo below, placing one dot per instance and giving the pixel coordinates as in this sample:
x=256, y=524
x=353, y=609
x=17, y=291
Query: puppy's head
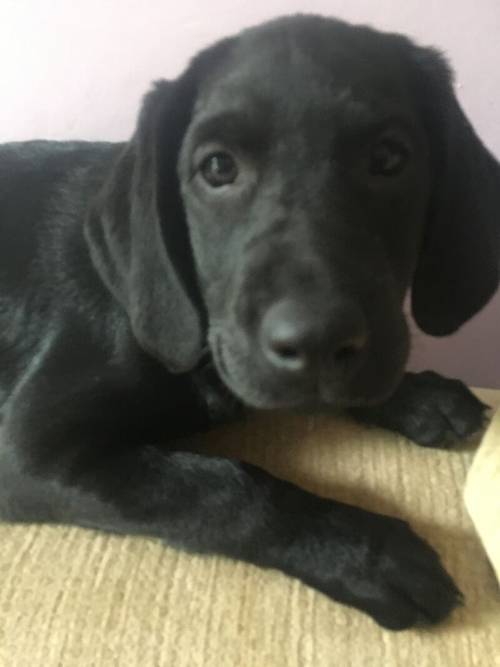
x=296, y=182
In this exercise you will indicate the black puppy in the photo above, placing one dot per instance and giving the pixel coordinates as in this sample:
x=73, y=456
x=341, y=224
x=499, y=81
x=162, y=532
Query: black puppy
x=252, y=244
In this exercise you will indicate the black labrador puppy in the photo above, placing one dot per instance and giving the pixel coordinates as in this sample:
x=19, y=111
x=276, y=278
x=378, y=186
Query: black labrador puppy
x=252, y=244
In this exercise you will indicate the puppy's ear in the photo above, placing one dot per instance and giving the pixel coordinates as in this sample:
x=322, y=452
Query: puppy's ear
x=136, y=231
x=458, y=268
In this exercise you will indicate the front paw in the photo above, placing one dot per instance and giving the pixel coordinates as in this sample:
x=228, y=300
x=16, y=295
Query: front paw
x=431, y=410
x=413, y=587
x=395, y=577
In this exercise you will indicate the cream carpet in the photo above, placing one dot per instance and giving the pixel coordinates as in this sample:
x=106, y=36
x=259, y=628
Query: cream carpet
x=71, y=597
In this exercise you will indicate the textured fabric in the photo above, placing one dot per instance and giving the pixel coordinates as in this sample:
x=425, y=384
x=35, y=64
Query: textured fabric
x=71, y=597
x=482, y=492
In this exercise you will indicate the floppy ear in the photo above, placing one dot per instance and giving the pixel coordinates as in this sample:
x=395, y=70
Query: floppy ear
x=136, y=231
x=458, y=267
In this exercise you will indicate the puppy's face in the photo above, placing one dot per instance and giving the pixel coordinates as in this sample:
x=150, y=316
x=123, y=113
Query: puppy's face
x=305, y=179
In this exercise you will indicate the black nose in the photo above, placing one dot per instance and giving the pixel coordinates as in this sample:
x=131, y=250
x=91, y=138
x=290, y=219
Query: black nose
x=297, y=337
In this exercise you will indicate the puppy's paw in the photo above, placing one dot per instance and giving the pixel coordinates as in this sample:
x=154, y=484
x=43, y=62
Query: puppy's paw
x=442, y=411
x=413, y=587
x=431, y=410
x=397, y=579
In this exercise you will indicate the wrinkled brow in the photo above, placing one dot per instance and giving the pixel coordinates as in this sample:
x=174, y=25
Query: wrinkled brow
x=245, y=128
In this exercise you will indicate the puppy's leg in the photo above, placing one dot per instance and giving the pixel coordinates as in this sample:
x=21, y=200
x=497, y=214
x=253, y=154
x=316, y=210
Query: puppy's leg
x=76, y=454
x=431, y=410
x=215, y=505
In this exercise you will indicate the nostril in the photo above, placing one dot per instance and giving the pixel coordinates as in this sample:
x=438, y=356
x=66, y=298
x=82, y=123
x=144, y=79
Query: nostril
x=351, y=348
x=284, y=336
x=284, y=353
x=345, y=353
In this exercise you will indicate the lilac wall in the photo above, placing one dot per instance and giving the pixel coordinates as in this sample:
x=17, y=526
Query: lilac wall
x=78, y=70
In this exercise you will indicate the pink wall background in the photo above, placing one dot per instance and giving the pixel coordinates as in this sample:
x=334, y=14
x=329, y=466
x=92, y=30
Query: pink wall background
x=78, y=70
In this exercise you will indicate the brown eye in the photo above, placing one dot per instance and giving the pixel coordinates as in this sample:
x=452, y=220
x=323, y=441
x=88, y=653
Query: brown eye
x=388, y=157
x=219, y=169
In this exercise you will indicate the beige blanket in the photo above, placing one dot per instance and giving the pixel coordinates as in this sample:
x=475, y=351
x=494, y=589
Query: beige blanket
x=70, y=597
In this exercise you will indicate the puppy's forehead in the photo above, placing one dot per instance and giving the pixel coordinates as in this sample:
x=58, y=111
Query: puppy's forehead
x=289, y=72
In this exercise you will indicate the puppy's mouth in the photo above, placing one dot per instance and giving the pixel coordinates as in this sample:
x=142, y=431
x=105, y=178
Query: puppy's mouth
x=252, y=383
x=254, y=397
x=252, y=394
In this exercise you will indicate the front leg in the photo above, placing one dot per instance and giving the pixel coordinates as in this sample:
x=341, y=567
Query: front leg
x=429, y=409
x=77, y=455
x=221, y=506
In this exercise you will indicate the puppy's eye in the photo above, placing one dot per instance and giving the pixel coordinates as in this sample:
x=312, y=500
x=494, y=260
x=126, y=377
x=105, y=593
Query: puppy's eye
x=219, y=169
x=388, y=157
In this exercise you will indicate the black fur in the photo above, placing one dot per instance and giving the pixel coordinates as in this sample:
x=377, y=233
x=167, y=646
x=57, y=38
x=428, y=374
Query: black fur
x=139, y=306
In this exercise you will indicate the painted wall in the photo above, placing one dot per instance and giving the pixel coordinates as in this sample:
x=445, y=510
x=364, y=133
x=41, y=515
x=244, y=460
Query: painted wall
x=78, y=70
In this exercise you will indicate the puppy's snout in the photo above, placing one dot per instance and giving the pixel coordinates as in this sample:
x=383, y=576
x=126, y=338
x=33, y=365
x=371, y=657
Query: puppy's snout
x=297, y=337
